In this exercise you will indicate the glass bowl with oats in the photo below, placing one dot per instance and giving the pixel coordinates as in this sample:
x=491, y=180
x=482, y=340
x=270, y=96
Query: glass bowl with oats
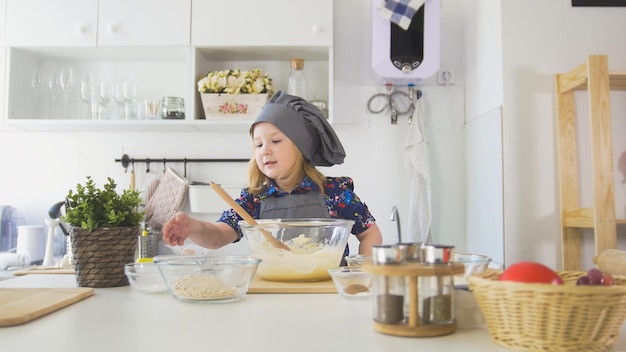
x=209, y=279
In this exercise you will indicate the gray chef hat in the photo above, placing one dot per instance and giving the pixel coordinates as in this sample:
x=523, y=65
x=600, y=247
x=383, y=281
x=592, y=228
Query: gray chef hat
x=305, y=125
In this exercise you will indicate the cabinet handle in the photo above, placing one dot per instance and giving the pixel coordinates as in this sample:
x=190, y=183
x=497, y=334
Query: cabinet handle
x=111, y=28
x=317, y=28
x=79, y=29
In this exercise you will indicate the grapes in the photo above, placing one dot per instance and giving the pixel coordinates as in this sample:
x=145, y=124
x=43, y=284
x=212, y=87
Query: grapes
x=595, y=277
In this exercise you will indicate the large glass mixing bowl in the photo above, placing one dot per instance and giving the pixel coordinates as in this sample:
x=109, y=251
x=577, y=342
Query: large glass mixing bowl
x=315, y=245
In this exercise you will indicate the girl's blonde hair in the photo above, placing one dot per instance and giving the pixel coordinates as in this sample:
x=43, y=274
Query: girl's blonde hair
x=300, y=168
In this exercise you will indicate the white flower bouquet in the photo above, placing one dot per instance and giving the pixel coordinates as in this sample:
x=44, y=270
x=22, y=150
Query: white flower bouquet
x=235, y=81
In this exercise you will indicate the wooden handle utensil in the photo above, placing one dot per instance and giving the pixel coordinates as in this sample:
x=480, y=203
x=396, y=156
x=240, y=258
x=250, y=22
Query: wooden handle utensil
x=247, y=217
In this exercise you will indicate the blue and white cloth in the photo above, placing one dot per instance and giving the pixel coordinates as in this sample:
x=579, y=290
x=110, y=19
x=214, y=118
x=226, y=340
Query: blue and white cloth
x=400, y=12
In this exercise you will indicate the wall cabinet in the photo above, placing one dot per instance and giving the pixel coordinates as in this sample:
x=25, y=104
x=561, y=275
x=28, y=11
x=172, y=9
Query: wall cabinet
x=51, y=23
x=144, y=22
x=163, y=46
x=69, y=23
x=262, y=23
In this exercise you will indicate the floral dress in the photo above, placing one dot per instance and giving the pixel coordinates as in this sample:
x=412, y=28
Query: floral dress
x=341, y=203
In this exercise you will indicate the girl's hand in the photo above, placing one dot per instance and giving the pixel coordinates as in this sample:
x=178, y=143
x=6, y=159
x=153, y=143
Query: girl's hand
x=177, y=229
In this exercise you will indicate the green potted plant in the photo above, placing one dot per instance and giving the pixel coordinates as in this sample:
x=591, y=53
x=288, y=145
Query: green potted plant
x=104, y=226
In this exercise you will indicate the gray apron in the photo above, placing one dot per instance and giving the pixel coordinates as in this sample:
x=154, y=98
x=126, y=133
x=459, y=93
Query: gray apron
x=310, y=205
x=292, y=206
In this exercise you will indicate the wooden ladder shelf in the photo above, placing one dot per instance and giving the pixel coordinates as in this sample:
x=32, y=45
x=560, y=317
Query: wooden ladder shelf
x=593, y=76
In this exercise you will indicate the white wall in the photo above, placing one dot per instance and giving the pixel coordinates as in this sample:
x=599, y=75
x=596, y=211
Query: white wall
x=539, y=39
x=2, y=52
x=39, y=168
x=483, y=59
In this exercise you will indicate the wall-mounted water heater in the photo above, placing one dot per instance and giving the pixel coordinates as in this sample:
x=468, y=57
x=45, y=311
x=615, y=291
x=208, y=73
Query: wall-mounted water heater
x=407, y=56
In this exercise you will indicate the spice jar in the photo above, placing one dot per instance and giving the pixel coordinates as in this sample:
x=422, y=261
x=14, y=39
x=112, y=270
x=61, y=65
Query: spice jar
x=436, y=296
x=388, y=291
x=172, y=108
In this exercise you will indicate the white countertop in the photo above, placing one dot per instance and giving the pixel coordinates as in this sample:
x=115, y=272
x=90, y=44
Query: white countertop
x=121, y=319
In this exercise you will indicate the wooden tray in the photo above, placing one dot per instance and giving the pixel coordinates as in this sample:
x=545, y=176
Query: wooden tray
x=21, y=305
x=259, y=285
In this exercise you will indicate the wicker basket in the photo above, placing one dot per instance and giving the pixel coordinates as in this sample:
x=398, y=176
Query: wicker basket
x=100, y=255
x=541, y=317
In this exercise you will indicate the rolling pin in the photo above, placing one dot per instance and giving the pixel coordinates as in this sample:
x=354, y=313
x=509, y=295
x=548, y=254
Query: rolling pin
x=612, y=261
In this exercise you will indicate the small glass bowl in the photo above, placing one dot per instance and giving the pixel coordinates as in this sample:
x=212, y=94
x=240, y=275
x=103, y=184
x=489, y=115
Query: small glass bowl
x=351, y=282
x=354, y=261
x=474, y=265
x=145, y=277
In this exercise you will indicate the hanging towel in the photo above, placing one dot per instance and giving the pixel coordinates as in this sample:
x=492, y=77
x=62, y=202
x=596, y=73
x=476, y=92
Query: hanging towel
x=168, y=198
x=417, y=163
x=400, y=12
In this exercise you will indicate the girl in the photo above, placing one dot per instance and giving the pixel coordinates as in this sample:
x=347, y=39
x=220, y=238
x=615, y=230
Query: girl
x=290, y=137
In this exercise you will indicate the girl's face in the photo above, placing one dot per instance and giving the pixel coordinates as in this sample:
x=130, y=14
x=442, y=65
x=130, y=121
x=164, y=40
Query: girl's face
x=273, y=151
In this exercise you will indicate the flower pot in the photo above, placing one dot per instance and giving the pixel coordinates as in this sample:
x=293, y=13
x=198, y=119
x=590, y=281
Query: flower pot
x=232, y=106
x=100, y=255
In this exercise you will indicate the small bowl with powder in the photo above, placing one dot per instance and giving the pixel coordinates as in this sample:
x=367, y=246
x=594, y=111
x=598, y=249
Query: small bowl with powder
x=211, y=279
x=144, y=277
x=351, y=282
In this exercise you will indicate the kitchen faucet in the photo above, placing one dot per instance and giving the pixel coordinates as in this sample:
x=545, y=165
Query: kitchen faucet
x=395, y=216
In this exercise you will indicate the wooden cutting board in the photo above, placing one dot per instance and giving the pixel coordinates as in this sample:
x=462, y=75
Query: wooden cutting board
x=259, y=285
x=41, y=270
x=21, y=305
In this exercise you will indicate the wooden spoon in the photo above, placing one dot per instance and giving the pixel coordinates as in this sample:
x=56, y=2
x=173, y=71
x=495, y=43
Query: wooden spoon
x=247, y=217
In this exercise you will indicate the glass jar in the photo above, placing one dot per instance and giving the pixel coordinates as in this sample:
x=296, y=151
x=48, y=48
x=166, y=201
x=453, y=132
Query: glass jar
x=297, y=84
x=322, y=105
x=172, y=108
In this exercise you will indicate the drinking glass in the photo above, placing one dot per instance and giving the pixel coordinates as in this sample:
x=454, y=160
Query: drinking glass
x=53, y=84
x=66, y=79
x=87, y=95
x=35, y=83
x=119, y=99
x=130, y=93
x=152, y=108
x=105, y=96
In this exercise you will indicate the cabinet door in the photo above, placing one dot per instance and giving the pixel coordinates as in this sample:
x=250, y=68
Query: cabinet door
x=144, y=22
x=262, y=23
x=51, y=23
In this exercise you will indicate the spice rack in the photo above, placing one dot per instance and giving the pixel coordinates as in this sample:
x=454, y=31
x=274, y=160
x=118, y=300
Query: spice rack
x=593, y=76
x=412, y=272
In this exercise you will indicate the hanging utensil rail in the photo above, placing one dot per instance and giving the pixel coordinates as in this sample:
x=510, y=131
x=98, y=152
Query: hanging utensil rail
x=126, y=161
